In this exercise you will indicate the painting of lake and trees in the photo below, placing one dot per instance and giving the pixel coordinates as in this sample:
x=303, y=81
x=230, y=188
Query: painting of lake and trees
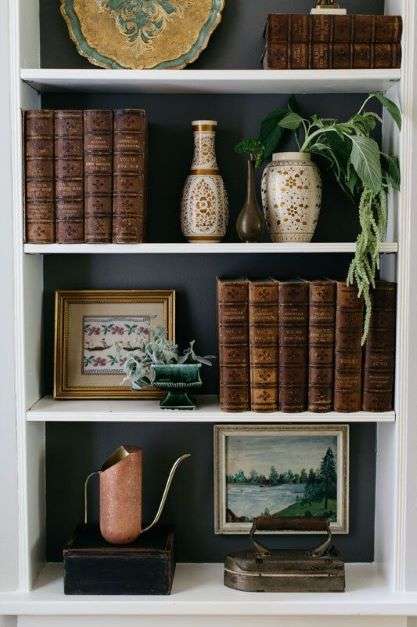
x=287, y=474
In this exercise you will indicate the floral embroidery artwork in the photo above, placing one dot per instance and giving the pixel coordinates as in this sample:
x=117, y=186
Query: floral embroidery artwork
x=140, y=19
x=109, y=340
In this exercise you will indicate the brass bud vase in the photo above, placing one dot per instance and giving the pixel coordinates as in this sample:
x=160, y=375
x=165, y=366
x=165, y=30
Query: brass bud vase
x=250, y=221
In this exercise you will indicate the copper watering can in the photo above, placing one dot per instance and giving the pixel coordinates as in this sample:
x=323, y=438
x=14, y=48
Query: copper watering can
x=120, y=480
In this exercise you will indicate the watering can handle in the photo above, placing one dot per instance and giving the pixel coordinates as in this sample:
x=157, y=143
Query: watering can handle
x=86, y=495
x=166, y=490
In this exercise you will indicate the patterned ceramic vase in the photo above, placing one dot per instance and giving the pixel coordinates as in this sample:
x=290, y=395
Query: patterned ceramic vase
x=204, y=207
x=291, y=197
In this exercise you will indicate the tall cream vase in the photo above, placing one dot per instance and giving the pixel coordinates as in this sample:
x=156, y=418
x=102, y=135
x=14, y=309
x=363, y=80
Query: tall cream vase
x=204, y=206
x=291, y=196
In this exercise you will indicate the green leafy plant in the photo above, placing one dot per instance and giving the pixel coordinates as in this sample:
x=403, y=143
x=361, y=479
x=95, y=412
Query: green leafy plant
x=362, y=169
x=158, y=350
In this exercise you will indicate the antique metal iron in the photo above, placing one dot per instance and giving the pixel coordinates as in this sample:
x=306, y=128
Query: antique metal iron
x=263, y=570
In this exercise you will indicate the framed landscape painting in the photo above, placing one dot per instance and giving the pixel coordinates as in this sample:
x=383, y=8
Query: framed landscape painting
x=96, y=331
x=280, y=470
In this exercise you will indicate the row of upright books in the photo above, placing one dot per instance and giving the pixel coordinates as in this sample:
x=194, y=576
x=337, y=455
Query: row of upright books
x=85, y=175
x=322, y=42
x=294, y=346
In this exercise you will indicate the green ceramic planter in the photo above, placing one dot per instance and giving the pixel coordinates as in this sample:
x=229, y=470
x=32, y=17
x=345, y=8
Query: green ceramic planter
x=177, y=380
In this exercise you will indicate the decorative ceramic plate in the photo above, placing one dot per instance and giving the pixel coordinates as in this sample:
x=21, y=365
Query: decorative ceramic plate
x=141, y=33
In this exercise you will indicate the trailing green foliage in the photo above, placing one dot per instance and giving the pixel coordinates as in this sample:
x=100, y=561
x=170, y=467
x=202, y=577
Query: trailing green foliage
x=362, y=170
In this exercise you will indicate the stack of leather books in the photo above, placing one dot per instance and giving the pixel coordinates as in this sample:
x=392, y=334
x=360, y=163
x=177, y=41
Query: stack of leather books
x=85, y=176
x=295, y=346
x=322, y=42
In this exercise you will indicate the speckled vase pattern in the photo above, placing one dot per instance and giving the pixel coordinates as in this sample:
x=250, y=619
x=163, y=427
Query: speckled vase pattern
x=204, y=206
x=291, y=197
x=121, y=496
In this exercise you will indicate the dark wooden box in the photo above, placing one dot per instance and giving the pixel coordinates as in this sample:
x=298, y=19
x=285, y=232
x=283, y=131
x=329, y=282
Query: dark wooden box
x=92, y=566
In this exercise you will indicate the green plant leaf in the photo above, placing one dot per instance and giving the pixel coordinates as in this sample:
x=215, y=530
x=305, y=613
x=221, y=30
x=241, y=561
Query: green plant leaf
x=392, y=170
x=391, y=107
x=291, y=121
x=293, y=105
x=366, y=161
x=271, y=141
x=364, y=121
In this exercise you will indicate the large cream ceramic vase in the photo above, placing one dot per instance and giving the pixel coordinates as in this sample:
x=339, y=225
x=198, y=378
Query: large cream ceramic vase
x=291, y=197
x=204, y=207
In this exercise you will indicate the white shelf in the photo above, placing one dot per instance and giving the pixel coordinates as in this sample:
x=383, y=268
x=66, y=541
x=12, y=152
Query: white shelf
x=199, y=591
x=49, y=410
x=211, y=81
x=181, y=248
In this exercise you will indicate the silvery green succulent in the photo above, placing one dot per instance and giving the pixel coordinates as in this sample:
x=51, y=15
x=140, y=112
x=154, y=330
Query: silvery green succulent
x=156, y=351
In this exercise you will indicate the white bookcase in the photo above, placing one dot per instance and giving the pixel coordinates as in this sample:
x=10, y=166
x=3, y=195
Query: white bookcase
x=387, y=588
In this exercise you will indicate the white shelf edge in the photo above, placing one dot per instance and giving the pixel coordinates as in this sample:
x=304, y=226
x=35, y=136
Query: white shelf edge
x=198, y=590
x=185, y=248
x=211, y=81
x=49, y=410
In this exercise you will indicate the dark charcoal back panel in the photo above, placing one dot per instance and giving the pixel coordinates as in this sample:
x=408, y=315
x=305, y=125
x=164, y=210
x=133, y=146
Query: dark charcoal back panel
x=74, y=450
x=237, y=43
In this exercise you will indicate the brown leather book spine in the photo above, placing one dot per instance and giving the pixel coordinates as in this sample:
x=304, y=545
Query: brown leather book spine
x=263, y=345
x=277, y=57
x=322, y=319
x=379, y=362
x=320, y=56
x=321, y=29
x=39, y=177
x=293, y=345
x=292, y=28
x=342, y=29
x=129, y=176
x=386, y=56
x=69, y=177
x=233, y=328
x=388, y=29
x=98, y=167
x=348, y=350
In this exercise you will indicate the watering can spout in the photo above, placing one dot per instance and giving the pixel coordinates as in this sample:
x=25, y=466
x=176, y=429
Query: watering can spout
x=166, y=491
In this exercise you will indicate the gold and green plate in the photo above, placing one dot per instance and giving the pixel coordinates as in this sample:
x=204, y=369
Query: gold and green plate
x=141, y=34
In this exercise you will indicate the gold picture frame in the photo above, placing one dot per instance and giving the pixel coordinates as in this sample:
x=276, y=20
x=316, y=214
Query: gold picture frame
x=243, y=485
x=91, y=339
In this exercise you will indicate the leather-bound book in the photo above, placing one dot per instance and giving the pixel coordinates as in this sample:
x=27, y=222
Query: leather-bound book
x=293, y=345
x=233, y=328
x=322, y=319
x=39, y=176
x=296, y=28
x=379, y=362
x=348, y=350
x=69, y=177
x=98, y=168
x=263, y=345
x=323, y=56
x=129, y=176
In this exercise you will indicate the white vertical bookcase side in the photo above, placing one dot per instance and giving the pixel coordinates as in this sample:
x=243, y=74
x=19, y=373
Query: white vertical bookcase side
x=8, y=467
x=28, y=282
x=396, y=486
x=406, y=397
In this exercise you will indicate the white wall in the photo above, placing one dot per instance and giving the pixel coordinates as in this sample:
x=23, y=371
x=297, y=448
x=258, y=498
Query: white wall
x=8, y=462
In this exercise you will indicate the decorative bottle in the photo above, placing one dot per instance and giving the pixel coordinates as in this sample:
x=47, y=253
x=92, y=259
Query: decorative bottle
x=204, y=207
x=250, y=221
